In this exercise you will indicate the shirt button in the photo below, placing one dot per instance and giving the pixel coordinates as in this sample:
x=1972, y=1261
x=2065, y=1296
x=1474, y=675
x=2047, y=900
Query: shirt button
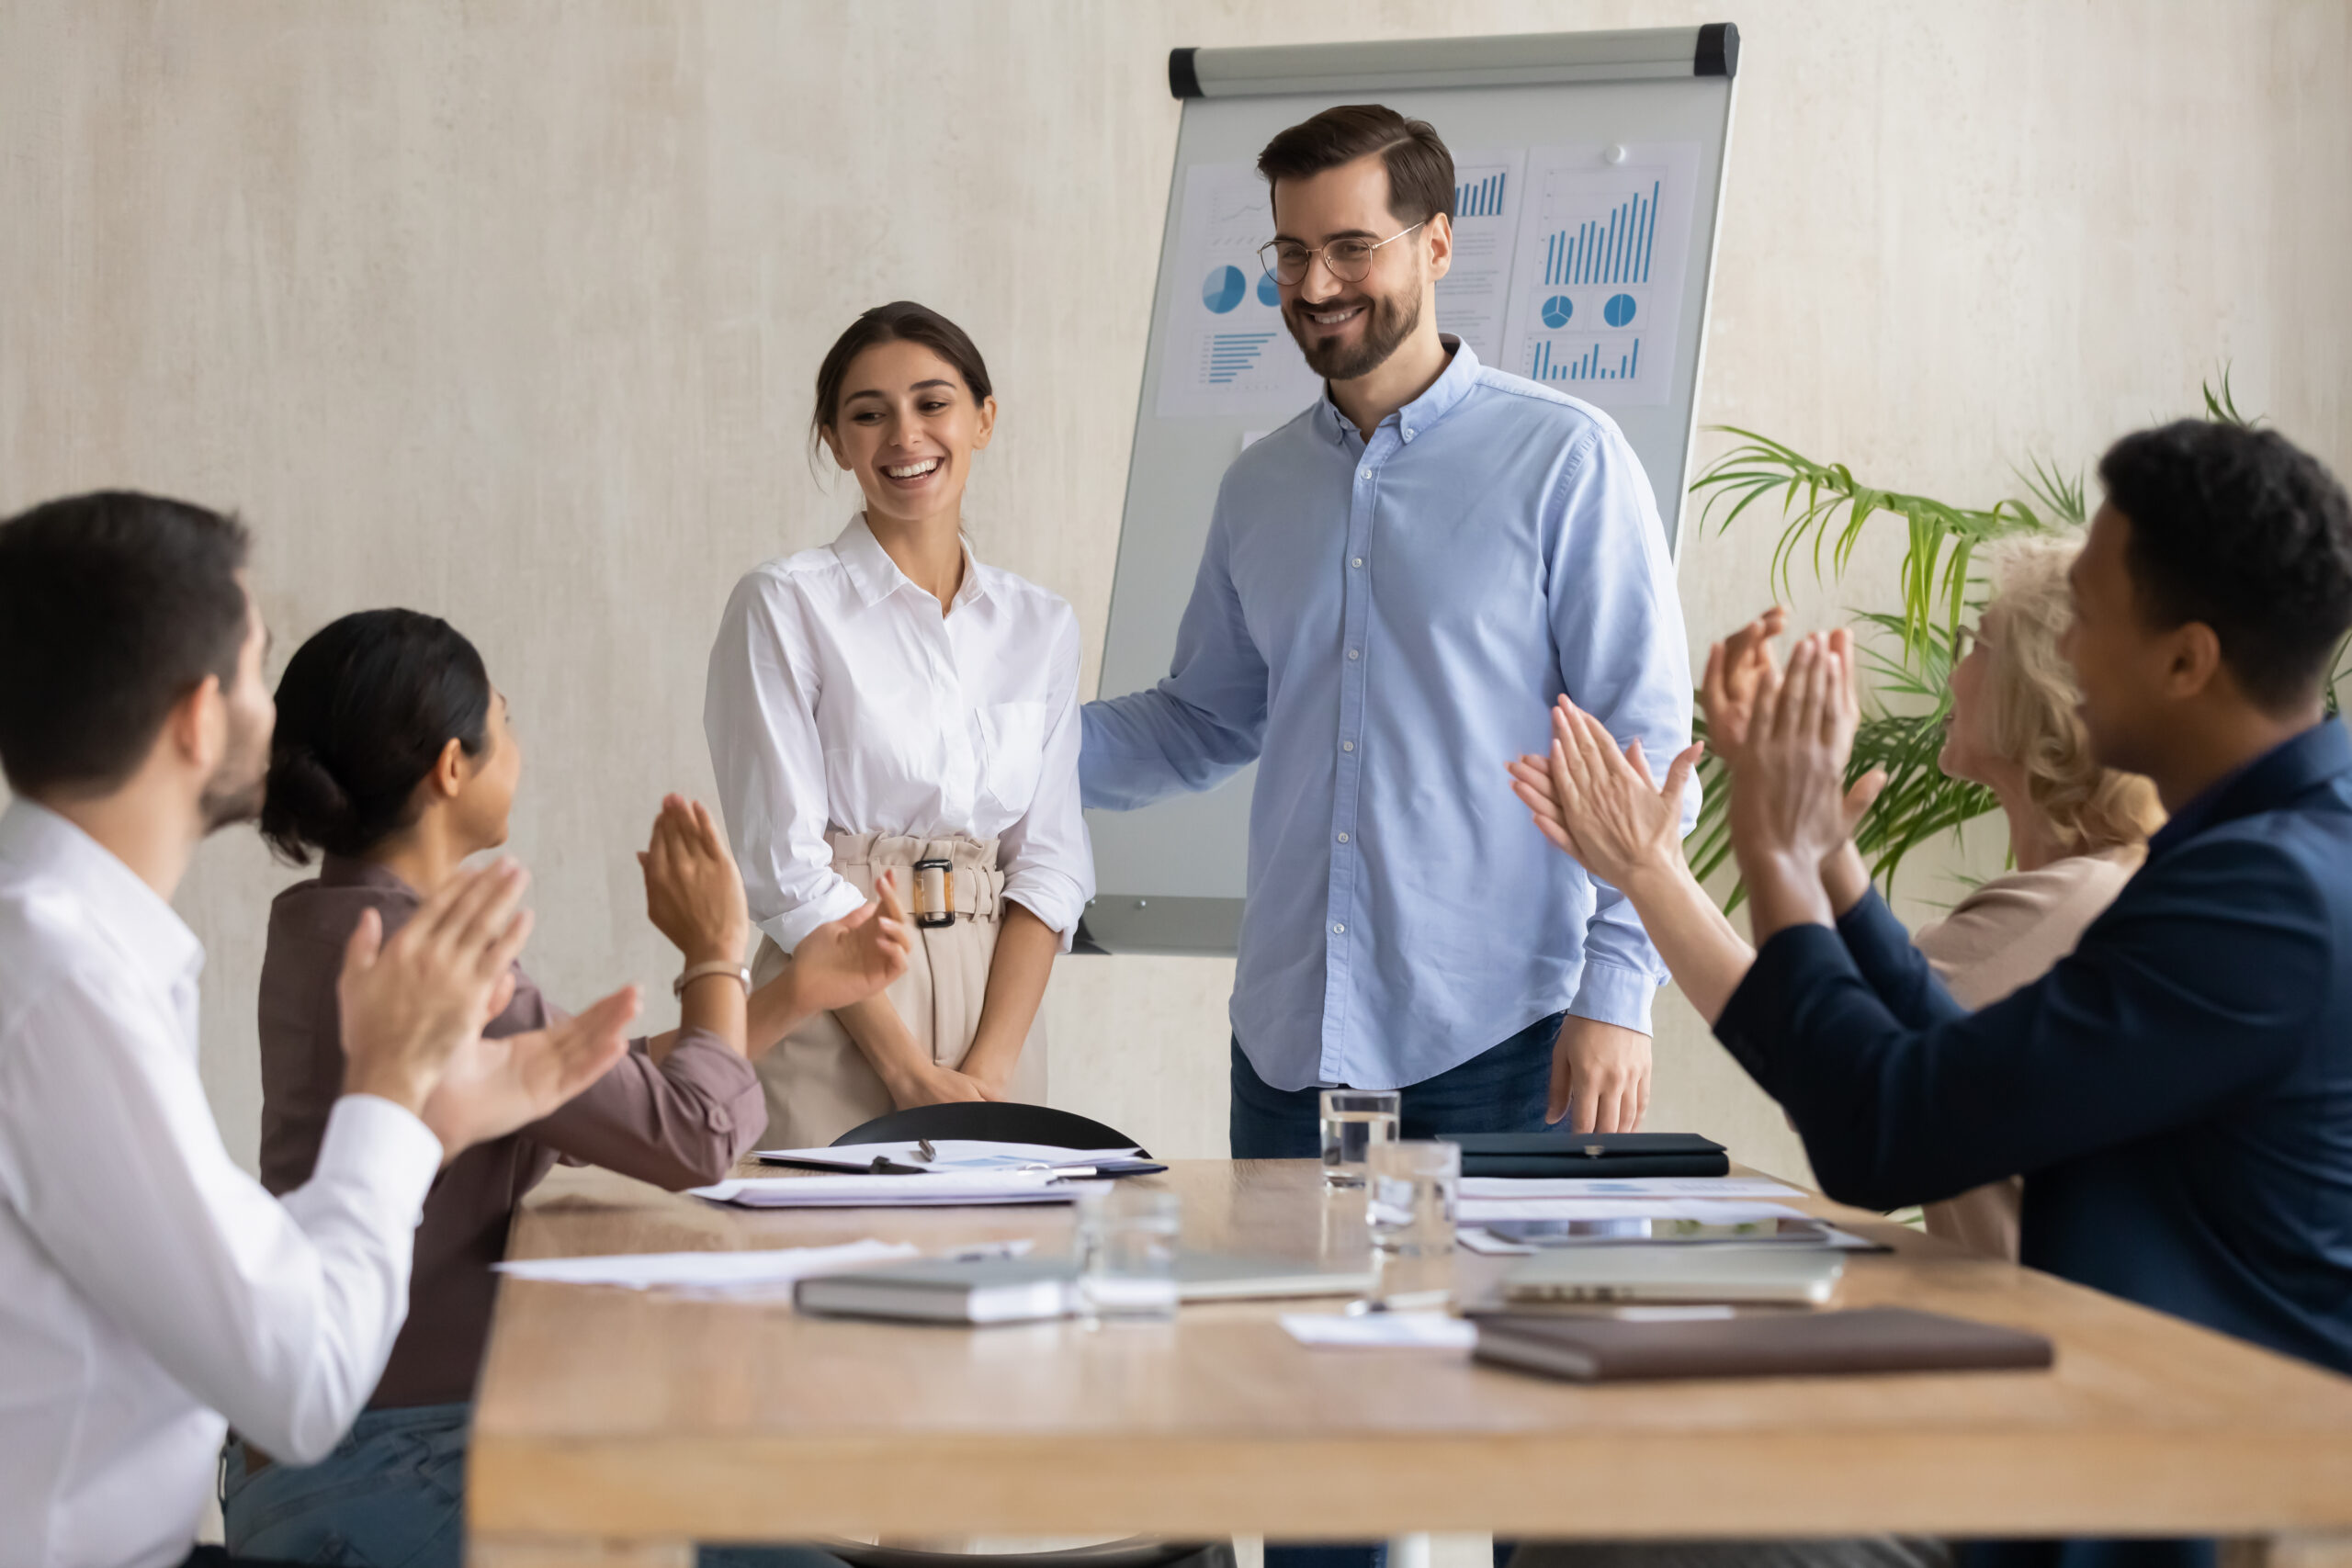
x=1357, y=563
x=1343, y=837
x=1347, y=745
x=1354, y=654
x=1338, y=929
x=1364, y=473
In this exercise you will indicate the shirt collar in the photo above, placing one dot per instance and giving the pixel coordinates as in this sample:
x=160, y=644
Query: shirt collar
x=1444, y=395
x=149, y=930
x=2278, y=775
x=875, y=576
x=350, y=870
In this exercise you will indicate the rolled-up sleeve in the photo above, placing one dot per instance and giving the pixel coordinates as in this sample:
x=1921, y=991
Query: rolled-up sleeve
x=760, y=717
x=1617, y=623
x=1048, y=859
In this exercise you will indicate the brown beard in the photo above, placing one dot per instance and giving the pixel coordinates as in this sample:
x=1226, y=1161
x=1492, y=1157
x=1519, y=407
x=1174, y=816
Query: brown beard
x=1389, y=319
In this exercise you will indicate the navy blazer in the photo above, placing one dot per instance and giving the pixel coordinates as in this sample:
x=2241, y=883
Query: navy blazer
x=2177, y=1092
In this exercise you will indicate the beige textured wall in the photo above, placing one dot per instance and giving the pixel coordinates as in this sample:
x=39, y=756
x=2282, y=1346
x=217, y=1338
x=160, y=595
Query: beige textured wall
x=508, y=311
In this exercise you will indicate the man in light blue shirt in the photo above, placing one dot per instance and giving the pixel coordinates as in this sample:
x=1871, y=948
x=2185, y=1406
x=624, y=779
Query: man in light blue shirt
x=1395, y=586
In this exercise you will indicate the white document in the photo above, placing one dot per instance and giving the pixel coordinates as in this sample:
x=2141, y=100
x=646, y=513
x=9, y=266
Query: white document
x=1624, y=1187
x=1226, y=350
x=707, y=1272
x=1382, y=1331
x=1474, y=297
x=951, y=1154
x=947, y=1188
x=1596, y=291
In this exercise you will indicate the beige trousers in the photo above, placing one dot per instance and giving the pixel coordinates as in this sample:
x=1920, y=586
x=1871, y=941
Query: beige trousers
x=819, y=1084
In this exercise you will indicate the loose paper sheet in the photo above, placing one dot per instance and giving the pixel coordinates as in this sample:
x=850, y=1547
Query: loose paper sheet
x=1626, y=1187
x=1382, y=1331
x=950, y=1154
x=719, y=1273
x=947, y=1189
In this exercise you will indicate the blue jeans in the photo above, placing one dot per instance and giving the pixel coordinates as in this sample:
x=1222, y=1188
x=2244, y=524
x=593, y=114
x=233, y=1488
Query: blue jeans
x=394, y=1495
x=1502, y=1090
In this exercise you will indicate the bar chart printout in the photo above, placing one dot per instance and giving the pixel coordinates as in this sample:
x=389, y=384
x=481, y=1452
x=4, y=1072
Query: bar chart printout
x=1474, y=297
x=1598, y=277
x=1226, y=350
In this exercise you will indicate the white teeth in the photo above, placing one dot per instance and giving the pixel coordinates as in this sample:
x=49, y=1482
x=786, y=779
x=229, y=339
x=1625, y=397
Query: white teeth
x=912, y=471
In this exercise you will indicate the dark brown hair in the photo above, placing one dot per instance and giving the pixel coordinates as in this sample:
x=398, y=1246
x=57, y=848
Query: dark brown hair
x=1420, y=171
x=901, y=321
x=113, y=607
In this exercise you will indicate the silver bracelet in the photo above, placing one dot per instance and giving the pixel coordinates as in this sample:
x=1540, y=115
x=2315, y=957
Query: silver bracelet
x=720, y=967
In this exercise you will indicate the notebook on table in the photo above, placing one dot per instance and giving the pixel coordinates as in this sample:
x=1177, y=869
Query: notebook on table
x=1772, y=1276
x=1603, y=1155
x=1018, y=1289
x=1773, y=1344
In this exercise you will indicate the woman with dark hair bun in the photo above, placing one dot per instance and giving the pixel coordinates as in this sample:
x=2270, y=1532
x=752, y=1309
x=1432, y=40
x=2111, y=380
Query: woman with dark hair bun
x=889, y=701
x=393, y=760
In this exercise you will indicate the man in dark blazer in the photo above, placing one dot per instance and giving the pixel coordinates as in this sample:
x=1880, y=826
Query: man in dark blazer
x=2178, y=1090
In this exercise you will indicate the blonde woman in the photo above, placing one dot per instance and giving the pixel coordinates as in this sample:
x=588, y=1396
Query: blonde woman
x=888, y=700
x=2077, y=831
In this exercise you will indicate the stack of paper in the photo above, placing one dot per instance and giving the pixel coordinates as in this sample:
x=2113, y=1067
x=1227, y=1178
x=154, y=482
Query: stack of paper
x=708, y=1273
x=931, y=1191
x=1509, y=1198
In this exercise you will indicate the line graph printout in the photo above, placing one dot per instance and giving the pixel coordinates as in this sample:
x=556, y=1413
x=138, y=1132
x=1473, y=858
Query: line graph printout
x=1474, y=297
x=1596, y=289
x=1226, y=350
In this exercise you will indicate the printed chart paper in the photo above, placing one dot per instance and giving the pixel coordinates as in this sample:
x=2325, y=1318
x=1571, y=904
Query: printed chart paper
x=1226, y=350
x=1474, y=297
x=1597, y=283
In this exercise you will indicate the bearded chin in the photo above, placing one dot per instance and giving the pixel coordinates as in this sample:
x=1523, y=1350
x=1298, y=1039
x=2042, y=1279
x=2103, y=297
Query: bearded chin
x=1389, y=321
x=237, y=787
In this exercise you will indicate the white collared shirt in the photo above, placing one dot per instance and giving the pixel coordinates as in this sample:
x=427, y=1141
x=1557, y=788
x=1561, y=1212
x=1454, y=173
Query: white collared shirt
x=148, y=1287
x=840, y=699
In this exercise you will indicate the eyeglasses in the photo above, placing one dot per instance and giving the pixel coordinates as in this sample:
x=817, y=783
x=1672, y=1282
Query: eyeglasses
x=1286, y=261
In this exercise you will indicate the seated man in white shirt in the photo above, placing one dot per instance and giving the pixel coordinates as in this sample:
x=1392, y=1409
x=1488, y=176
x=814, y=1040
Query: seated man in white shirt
x=154, y=1290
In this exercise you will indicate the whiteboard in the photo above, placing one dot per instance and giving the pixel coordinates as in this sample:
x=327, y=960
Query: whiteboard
x=1589, y=177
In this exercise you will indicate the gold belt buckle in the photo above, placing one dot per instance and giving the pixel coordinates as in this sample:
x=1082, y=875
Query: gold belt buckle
x=934, y=892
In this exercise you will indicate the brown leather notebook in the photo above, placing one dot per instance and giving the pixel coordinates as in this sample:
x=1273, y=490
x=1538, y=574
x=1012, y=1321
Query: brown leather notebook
x=1755, y=1345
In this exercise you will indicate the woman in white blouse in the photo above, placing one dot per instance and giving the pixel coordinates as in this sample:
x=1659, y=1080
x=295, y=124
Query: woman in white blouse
x=886, y=701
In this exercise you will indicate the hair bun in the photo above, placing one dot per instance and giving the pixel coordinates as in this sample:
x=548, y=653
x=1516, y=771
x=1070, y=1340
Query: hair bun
x=303, y=807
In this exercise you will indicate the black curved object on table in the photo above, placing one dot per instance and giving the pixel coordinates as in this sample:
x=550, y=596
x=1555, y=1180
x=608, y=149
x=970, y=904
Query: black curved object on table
x=999, y=1122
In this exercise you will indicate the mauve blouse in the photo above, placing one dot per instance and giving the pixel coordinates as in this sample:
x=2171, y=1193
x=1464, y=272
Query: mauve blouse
x=681, y=1122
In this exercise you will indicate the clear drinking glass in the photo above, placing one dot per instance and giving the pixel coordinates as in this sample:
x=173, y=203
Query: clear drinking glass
x=1127, y=1255
x=1409, y=1193
x=1355, y=1120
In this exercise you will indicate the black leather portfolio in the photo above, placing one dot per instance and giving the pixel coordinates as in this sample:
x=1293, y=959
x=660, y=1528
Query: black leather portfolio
x=1603, y=1155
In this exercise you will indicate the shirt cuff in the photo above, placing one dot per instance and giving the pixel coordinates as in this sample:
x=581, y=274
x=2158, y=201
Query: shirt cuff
x=1610, y=993
x=1758, y=1017
x=381, y=1158
x=790, y=929
x=1051, y=896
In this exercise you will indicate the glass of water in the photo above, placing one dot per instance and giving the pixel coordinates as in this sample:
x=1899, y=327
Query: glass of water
x=1409, y=1190
x=1355, y=1120
x=1126, y=1254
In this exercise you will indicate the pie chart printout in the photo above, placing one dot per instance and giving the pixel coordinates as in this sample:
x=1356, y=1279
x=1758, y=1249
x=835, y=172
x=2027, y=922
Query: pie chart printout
x=1618, y=311
x=1223, y=288
x=1557, y=309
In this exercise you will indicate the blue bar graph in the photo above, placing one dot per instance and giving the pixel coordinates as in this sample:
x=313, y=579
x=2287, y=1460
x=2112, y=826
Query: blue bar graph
x=1585, y=366
x=1615, y=249
x=1480, y=198
x=1230, y=353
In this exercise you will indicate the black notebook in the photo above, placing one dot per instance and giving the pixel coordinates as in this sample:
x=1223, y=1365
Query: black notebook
x=1602, y=1155
x=1754, y=1344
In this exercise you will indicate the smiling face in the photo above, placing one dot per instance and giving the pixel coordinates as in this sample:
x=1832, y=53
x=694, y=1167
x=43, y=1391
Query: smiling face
x=907, y=426
x=1347, y=330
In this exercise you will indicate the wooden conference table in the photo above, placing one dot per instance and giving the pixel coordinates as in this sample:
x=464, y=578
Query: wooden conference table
x=616, y=1427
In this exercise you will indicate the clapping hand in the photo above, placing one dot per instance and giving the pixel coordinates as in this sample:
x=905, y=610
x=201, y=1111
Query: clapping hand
x=694, y=894
x=1603, y=806
x=1788, y=803
x=495, y=1087
x=1736, y=668
x=845, y=961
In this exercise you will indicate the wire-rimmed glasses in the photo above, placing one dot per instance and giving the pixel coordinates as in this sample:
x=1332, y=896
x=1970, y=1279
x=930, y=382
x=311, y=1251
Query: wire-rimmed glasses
x=1286, y=261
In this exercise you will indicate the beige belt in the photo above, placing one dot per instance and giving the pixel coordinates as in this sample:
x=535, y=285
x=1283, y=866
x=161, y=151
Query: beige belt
x=957, y=877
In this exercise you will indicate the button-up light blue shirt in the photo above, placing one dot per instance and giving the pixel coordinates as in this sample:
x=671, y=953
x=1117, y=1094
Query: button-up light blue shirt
x=1383, y=626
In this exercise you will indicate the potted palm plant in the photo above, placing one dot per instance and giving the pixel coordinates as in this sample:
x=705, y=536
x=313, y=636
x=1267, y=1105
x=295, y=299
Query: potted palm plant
x=1824, y=509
